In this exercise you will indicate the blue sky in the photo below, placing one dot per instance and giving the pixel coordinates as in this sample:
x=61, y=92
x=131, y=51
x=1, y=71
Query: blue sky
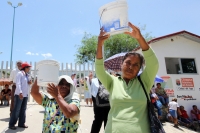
x=50, y=29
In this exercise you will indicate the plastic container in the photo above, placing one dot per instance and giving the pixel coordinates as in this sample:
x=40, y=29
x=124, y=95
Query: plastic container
x=47, y=72
x=114, y=17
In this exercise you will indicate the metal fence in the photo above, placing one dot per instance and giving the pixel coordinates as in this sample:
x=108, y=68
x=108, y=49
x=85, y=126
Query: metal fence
x=81, y=71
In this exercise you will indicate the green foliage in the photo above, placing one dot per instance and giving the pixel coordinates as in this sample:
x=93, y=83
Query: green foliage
x=119, y=43
x=86, y=52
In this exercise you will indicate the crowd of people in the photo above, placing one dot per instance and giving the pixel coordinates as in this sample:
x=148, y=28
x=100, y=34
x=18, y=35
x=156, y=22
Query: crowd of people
x=118, y=101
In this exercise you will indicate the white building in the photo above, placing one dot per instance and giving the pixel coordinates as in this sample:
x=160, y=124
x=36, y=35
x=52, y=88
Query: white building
x=179, y=65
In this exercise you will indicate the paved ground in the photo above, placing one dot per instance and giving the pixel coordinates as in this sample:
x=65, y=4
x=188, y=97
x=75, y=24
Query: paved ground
x=35, y=116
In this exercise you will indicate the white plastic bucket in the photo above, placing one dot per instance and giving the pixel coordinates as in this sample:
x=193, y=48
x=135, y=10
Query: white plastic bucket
x=47, y=72
x=114, y=17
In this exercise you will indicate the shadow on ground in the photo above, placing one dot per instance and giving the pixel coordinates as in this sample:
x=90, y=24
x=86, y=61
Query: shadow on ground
x=5, y=119
x=14, y=131
x=2, y=106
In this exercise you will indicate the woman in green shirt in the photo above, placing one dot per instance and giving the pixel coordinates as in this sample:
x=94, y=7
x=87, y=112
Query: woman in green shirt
x=128, y=113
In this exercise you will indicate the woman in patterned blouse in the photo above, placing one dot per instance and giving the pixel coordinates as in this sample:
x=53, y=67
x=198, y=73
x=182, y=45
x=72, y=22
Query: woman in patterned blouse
x=62, y=106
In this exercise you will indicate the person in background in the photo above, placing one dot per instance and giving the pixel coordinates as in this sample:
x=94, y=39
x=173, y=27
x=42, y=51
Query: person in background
x=5, y=94
x=13, y=75
x=62, y=107
x=100, y=112
x=169, y=117
x=21, y=97
x=185, y=118
x=153, y=89
x=154, y=99
x=162, y=95
x=194, y=112
x=173, y=108
x=89, y=82
x=87, y=92
x=73, y=76
x=128, y=112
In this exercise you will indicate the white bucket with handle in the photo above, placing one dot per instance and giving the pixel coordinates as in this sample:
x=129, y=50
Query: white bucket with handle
x=114, y=17
x=47, y=72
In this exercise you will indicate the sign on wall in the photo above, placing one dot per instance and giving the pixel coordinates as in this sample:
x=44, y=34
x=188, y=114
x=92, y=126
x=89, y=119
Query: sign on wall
x=185, y=84
x=186, y=97
x=168, y=86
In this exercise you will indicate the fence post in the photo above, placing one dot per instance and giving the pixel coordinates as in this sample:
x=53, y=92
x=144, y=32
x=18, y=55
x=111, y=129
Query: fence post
x=2, y=69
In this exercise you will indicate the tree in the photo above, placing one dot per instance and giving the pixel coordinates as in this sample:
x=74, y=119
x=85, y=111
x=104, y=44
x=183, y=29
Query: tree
x=119, y=43
x=86, y=51
x=115, y=44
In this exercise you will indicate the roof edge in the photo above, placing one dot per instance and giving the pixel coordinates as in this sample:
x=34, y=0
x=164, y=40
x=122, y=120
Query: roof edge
x=169, y=35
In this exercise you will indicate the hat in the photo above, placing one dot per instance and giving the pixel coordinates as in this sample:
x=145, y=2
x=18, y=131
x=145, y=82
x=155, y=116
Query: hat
x=25, y=65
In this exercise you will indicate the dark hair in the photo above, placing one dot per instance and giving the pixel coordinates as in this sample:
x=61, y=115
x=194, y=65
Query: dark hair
x=194, y=106
x=158, y=84
x=118, y=74
x=25, y=68
x=6, y=85
x=134, y=54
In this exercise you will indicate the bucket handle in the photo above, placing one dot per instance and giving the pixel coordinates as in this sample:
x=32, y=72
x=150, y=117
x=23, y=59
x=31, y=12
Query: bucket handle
x=101, y=16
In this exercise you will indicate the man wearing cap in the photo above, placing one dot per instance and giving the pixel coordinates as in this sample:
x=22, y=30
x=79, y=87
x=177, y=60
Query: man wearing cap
x=20, y=97
x=13, y=81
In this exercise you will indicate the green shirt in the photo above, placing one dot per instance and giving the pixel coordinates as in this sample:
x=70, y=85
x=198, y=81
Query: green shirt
x=60, y=123
x=128, y=113
x=160, y=91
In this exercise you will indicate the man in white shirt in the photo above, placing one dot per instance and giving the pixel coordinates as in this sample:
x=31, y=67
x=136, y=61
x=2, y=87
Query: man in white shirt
x=13, y=81
x=21, y=97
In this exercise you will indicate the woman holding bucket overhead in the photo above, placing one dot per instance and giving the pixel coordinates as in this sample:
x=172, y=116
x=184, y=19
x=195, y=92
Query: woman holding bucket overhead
x=128, y=113
x=62, y=107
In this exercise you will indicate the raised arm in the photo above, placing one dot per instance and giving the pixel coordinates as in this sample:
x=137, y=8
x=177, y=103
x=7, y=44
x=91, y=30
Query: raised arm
x=104, y=77
x=37, y=96
x=135, y=33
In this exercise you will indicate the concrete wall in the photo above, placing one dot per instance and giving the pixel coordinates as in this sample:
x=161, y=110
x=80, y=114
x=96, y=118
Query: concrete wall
x=180, y=47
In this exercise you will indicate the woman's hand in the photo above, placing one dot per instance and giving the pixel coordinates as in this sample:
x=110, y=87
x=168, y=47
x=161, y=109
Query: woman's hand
x=135, y=33
x=53, y=90
x=102, y=37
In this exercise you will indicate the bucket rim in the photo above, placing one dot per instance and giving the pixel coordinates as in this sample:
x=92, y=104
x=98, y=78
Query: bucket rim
x=112, y=4
x=53, y=62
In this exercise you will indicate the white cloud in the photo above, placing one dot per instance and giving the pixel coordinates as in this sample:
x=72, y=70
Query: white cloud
x=47, y=55
x=28, y=53
x=77, y=31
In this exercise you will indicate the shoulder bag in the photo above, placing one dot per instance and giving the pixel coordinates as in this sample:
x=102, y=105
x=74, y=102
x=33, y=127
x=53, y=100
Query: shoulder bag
x=102, y=97
x=155, y=124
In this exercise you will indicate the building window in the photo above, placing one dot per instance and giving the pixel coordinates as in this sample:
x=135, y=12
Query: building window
x=180, y=65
